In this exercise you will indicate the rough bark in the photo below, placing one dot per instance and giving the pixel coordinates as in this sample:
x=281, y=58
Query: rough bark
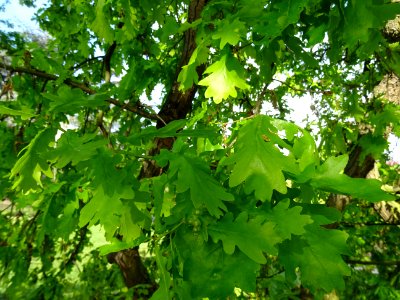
x=131, y=265
x=176, y=106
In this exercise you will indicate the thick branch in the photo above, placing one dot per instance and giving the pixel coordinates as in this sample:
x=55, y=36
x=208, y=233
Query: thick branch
x=82, y=87
x=178, y=104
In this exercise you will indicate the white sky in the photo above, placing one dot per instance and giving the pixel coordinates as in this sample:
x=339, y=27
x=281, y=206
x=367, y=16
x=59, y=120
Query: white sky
x=21, y=17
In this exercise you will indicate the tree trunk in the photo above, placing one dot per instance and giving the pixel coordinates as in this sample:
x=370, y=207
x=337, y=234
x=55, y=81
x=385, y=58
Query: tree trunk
x=176, y=106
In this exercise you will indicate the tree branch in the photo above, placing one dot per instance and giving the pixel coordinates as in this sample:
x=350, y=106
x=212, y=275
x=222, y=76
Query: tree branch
x=373, y=262
x=78, y=66
x=107, y=62
x=83, y=87
x=324, y=92
x=348, y=224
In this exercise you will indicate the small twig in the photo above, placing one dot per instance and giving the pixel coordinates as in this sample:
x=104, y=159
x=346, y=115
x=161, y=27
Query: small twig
x=7, y=207
x=73, y=257
x=29, y=223
x=251, y=42
x=291, y=87
x=304, y=90
x=86, y=121
x=135, y=109
x=260, y=98
x=103, y=129
x=78, y=66
x=234, y=121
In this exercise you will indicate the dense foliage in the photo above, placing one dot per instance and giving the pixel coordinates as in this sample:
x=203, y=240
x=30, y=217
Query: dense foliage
x=154, y=138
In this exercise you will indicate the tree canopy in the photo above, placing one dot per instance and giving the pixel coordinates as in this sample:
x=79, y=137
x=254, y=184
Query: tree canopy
x=148, y=150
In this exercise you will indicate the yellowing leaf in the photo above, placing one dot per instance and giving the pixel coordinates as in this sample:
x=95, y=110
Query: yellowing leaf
x=223, y=79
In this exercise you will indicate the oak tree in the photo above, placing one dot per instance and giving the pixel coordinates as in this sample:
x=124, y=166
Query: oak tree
x=148, y=150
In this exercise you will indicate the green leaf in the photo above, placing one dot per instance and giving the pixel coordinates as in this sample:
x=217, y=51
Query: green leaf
x=104, y=172
x=101, y=24
x=316, y=34
x=258, y=162
x=25, y=114
x=113, y=215
x=317, y=254
x=74, y=148
x=390, y=116
x=367, y=189
x=209, y=271
x=188, y=75
x=169, y=28
x=116, y=246
x=112, y=204
x=296, y=46
x=372, y=145
x=169, y=130
x=304, y=148
x=70, y=100
x=360, y=16
x=279, y=16
x=334, y=165
x=194, y=175
x=229, y=32
x=252, y=236
x=165, y=278
x=328, y=178
x=41, y=61
x=104, y=209
x=29, y=168
x=288, y=220
x=225, y=76
x=185, y=26
x=130, y=219
x=289, y=11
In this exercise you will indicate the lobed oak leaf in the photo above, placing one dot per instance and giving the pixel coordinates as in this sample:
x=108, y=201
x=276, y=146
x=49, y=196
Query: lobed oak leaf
x=223, y=80
x=252, y=236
